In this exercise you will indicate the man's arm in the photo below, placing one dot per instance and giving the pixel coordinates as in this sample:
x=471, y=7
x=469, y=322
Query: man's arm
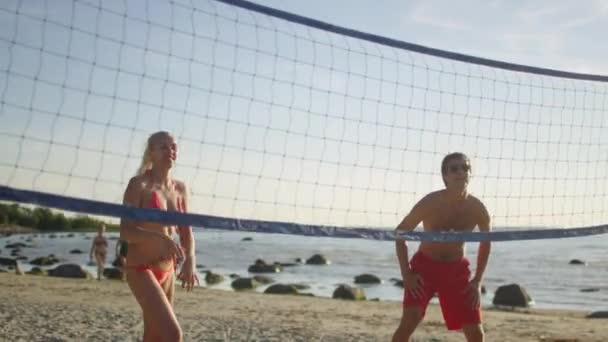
x=483, y=253
x=409, y=223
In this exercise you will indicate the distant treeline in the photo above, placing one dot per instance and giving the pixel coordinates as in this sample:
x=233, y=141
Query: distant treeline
x=47, y=220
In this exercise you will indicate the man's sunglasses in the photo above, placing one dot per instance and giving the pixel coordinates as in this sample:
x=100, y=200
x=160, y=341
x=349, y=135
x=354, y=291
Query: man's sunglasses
x=456, y=168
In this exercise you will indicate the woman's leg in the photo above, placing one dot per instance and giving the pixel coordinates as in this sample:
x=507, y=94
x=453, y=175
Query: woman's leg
x=100, y=258
x=169, y=287
x=123, y=271
x=160, y=323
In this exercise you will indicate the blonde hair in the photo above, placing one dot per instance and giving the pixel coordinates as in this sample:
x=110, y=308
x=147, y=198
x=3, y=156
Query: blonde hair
x=146, y=162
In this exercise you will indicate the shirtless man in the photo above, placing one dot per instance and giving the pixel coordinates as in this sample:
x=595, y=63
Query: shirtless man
x=152, y=253
x=441, y=267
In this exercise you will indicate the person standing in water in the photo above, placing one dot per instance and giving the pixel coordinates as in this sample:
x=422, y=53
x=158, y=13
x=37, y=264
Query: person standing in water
x=99, y=249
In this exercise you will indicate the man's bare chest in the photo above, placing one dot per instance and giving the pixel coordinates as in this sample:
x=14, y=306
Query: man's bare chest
x=459, y=218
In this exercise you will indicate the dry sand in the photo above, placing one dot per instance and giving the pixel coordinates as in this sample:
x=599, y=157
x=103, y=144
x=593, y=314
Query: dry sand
x=38, y=308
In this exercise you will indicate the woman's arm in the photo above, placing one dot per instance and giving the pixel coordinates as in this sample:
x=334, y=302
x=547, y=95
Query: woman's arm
x=92, y=248
x=187, y=273
x=186, y=238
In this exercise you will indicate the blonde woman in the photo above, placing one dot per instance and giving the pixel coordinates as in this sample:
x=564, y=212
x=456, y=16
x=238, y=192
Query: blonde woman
x=151, y=260
x=99, y=249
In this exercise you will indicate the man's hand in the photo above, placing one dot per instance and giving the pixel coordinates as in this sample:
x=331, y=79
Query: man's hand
x=187, y=274
x=473, y=293
x=412, y=283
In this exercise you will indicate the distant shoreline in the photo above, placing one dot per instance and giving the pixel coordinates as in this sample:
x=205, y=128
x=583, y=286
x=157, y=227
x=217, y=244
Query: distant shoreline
x=15, y=229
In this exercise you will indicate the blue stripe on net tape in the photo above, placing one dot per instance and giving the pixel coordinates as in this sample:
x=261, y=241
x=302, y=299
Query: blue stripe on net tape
x=246, y=225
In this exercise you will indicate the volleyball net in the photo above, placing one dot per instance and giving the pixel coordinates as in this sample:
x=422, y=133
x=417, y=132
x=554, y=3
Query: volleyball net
x=286, y=124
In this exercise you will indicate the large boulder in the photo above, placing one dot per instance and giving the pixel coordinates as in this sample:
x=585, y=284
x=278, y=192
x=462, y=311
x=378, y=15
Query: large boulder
x=244, y=284
x=264, y=280
x=260, y=266
x=317, y=259
x=11, y=264
x=367, y=279
x=300, y=287
x=70, y=271
x=512, y=295
x=15, y=245
x=281, y=289
x=577, y=262
x=37, y=271
x=213, y=278
x=349, y=293
x=397, y=282
x=598, y=314
x=8, y=262
x=113, y=273
x=45, y=261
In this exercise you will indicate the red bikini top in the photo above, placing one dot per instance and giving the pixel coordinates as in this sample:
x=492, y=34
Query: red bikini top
x=155, y=202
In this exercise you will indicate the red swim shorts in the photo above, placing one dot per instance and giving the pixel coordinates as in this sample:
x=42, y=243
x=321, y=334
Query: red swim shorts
x=449, y=280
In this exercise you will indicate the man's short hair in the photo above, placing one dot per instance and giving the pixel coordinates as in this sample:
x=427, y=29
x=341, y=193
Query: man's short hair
x=452, y=156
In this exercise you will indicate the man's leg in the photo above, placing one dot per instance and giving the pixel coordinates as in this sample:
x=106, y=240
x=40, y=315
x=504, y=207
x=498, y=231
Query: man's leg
x=410, y=319
x=473, y=332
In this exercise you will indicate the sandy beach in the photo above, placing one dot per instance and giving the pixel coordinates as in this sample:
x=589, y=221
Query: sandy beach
x=35, y=308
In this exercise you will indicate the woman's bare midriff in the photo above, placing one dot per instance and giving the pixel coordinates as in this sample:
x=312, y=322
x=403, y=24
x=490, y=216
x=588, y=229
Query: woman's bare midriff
x=443, y=251
x=101, y=250
x=146, y=253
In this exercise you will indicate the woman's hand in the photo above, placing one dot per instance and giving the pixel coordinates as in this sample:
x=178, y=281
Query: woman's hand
x=167, y=248
x=187, y=274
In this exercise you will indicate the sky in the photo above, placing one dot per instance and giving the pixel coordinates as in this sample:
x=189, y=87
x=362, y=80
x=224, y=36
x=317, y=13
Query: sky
x=564, y=35
x=277, y=121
